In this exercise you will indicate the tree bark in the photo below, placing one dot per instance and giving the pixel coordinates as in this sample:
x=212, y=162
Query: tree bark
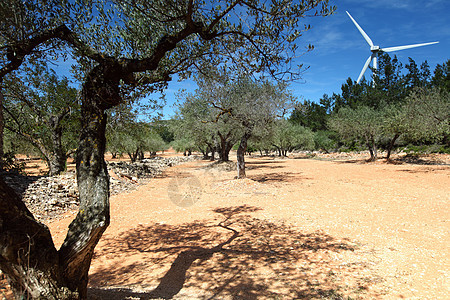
x=241, y=155
x=28, y=256
x=213, y=151
x=372, y=150
x=224, y=147
x=2, y=127
x=133, y=156
x=58, y=158
x=278, y=149
x=205, y=153
x=100, y=92
x=141, y=155
x=391, y=145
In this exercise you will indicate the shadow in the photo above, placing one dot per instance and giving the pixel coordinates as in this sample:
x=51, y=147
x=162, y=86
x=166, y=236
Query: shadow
x=235, y=257
x=310, y=156
x=19, y=182
x=264, y=165
x=357, y=161
x=221, y=165
x=265, y=162
x=171, y=173
x=418, y=160
x=426, y=169
x=231, y=165
x=412, y=160
x=276, y=177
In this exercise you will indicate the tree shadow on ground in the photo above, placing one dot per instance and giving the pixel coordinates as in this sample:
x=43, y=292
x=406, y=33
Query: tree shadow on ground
x=19, y=182
x=418, y=160
x=173, y=174
x=356, y=161
x=264, y=165
x=235, y=256
x=427, y=169
x=277, y=177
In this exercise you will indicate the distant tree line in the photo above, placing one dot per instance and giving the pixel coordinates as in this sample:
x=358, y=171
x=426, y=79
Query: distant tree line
x=406, y=106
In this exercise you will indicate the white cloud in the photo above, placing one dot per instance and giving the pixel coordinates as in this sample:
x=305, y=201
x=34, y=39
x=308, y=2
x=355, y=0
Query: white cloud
x=387, y=4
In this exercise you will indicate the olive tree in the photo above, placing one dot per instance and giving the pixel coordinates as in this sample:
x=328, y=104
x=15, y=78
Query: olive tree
x=134, y=139
x=43, y=110
x=249, y=105
x=197, y=121
x=289, y=136
x=363, y=124
x=122, y=45
x=423, y=117
x=427, y=115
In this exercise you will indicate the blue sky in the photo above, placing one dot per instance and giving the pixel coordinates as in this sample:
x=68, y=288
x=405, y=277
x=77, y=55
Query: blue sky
x=340, y=50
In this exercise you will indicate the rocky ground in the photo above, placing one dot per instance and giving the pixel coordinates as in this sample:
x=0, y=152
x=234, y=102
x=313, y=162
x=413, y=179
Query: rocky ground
x=47, y=197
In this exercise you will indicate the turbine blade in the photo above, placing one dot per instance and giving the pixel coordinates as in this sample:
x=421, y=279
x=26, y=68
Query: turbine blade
x=366, y=65
x=391, y=49
x=366, y=37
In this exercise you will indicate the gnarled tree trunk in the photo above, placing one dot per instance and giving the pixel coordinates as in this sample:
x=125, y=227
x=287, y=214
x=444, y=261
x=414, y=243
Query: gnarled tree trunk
x=241, y=155
x=224, y=147
x=391, y=146
x=58, y=157
x=372, y=150
x=34, y=268
x=2, y=125
x=28, y=256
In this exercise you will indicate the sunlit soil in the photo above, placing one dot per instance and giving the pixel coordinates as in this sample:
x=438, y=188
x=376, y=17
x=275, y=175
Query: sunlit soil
x=294, y=228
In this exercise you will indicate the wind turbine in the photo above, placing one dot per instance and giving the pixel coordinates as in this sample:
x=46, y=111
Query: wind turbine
x=375, y=49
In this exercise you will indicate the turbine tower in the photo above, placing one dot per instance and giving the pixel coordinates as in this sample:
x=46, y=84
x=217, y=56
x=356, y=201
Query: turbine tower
x=376, y=49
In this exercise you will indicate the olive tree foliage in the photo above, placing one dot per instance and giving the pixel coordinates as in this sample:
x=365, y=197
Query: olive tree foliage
x=289, y=136
x=423, y=117
x=185, y=145
x=389, y=104
x=134, y=139
x=428, y=115
x=246, y=105
x=363, y=124
x=121, y=46
x=43, y=110
x=127, y=131
x=197, y=127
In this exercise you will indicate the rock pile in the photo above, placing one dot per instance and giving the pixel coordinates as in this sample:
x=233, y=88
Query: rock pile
x=47, y=197
x=146, y=168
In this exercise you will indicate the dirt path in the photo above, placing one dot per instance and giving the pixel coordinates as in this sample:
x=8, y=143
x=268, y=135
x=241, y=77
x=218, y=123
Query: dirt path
x=297, y=228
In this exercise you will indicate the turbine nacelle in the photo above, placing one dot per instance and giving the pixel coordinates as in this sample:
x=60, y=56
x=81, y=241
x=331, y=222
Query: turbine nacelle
x=376, y=49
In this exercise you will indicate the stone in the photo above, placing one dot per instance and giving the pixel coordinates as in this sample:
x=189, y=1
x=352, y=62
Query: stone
x=48, y=197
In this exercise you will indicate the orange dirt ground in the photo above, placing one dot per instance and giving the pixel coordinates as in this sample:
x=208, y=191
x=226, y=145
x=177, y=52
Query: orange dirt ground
x=295, y=228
